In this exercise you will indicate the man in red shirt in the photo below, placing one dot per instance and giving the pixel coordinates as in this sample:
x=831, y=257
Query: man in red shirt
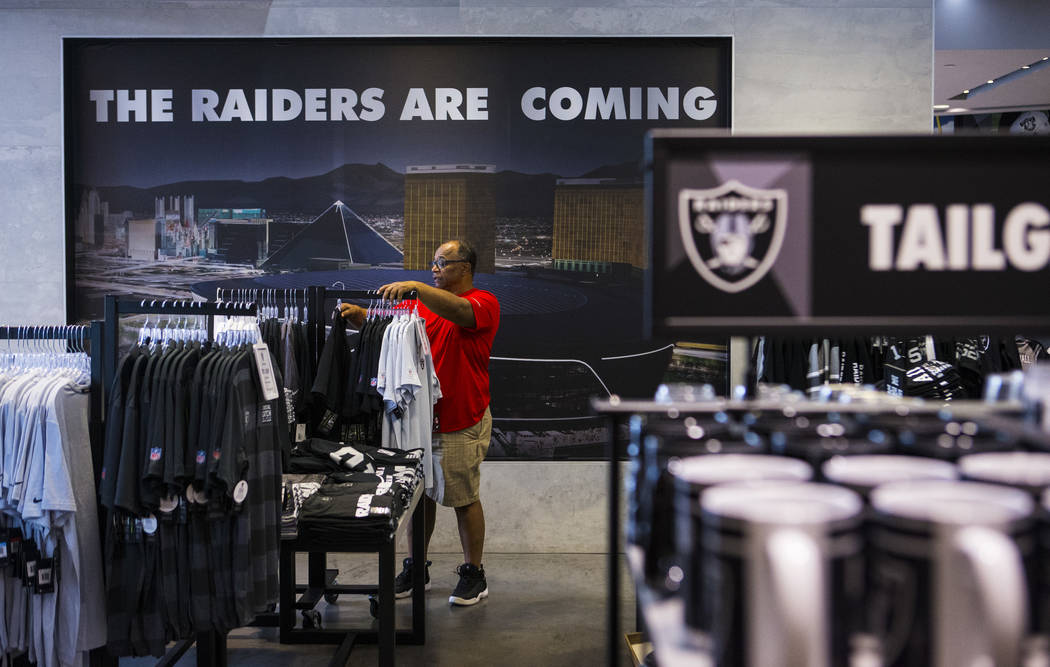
x=461, y=322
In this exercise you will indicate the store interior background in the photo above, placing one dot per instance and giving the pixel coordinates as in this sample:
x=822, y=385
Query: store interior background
x=800, y=66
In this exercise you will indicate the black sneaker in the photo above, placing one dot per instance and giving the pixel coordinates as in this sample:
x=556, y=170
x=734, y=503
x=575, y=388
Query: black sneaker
x=471, y=587
x=403, y=581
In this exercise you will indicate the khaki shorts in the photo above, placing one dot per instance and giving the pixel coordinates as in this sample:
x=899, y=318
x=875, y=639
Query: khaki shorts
x=457, y=463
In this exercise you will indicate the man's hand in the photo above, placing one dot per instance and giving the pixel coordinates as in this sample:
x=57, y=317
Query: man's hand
x=353, y=314
x=397, y=291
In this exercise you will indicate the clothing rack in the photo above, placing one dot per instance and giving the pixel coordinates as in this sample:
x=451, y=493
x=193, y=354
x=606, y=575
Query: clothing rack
x=79, y=338
x=319, y=296
x=115, y=308
x=269, y=297
x=211, y=646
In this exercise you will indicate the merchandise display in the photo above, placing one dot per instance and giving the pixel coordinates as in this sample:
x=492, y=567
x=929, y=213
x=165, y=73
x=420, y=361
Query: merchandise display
x=839, y=581
x=51, y=581
x=191, y=480
x=365, y=496
x=236, y=475
x=382, y=387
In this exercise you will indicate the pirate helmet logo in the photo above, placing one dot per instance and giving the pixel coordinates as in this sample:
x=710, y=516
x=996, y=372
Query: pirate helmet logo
x=732, y=233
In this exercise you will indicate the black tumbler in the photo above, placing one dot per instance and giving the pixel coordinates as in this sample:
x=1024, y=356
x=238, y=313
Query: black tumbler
x=665, y=443
x=785, y=572
x=949, y=580
x=691, y=478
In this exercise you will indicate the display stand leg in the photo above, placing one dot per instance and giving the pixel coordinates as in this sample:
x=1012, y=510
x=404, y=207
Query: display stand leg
x=211, y=649
x=387, y=628
x=286, y=608
x=612, y=647
x=419, y=557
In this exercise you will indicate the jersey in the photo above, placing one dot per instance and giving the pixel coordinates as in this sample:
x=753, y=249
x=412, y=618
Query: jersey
x=461, y=359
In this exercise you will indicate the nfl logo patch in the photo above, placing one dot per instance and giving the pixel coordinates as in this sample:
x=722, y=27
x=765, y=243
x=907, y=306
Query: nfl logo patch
x=200, y=456
x=154, y=454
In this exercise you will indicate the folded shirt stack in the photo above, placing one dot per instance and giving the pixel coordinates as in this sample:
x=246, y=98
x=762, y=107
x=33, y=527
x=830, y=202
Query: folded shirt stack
x=352, y=491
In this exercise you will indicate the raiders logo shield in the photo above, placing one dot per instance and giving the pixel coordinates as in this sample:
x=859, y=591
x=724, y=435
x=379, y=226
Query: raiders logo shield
x=732, y=233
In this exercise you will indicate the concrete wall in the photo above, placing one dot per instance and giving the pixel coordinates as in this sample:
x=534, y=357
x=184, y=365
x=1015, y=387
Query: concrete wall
x=801, y=66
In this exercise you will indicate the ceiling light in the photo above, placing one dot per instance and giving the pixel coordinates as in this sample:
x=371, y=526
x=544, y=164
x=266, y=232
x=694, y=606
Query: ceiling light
x=1046, y=57
x=966, y=92
x=991, y=80
x=940, y=107
x=1025, y=66
x=957, y=110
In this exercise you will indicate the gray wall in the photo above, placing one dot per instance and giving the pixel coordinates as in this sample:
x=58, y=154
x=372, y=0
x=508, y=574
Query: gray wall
x=801, y=66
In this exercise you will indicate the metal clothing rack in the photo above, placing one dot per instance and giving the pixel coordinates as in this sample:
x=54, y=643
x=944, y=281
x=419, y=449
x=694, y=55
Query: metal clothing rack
x=78, y=338
x=115, y=308
x=268, y=297
x=211, y=645
x=319, y=296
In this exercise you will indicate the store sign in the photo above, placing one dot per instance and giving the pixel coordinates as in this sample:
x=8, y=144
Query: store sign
x=826, y=235
x=962, y=239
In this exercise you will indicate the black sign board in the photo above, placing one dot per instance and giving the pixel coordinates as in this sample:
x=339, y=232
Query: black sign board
x=879, y=234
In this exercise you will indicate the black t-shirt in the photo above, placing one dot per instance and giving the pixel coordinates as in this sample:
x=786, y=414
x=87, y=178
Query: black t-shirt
x=114, y=441
x=126, y=493
x=329, y=385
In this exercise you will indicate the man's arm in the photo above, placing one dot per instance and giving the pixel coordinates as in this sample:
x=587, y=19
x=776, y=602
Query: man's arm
x=442, y=302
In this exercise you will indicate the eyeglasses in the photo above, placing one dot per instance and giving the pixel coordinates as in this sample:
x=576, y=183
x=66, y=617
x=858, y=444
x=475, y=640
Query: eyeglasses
x=441, y=262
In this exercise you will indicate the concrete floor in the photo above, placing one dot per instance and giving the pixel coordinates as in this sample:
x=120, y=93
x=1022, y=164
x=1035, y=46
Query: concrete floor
x=543, y=609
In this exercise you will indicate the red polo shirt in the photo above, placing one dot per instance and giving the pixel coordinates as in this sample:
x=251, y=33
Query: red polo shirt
x=461, y=359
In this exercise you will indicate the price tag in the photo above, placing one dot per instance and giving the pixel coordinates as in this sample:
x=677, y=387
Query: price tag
x=267, y=380
x=30, y=573
x=240, y=491
x=14, y=546
x=300, y=432
x=168, y=504
x=45, y=580
x=194, y=496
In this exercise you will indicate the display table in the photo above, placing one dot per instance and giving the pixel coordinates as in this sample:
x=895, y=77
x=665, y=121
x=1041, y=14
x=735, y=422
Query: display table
x=320, y=584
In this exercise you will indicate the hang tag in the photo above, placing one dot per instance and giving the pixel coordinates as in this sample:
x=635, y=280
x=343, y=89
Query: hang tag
x=240, y=492
x=168, y=504
x=45, y=580
x=149, y=524
x=14, y=545
x=29, y=566
x=267, y=380
x=3, y=547
x=194, y=496
x=300, y=432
